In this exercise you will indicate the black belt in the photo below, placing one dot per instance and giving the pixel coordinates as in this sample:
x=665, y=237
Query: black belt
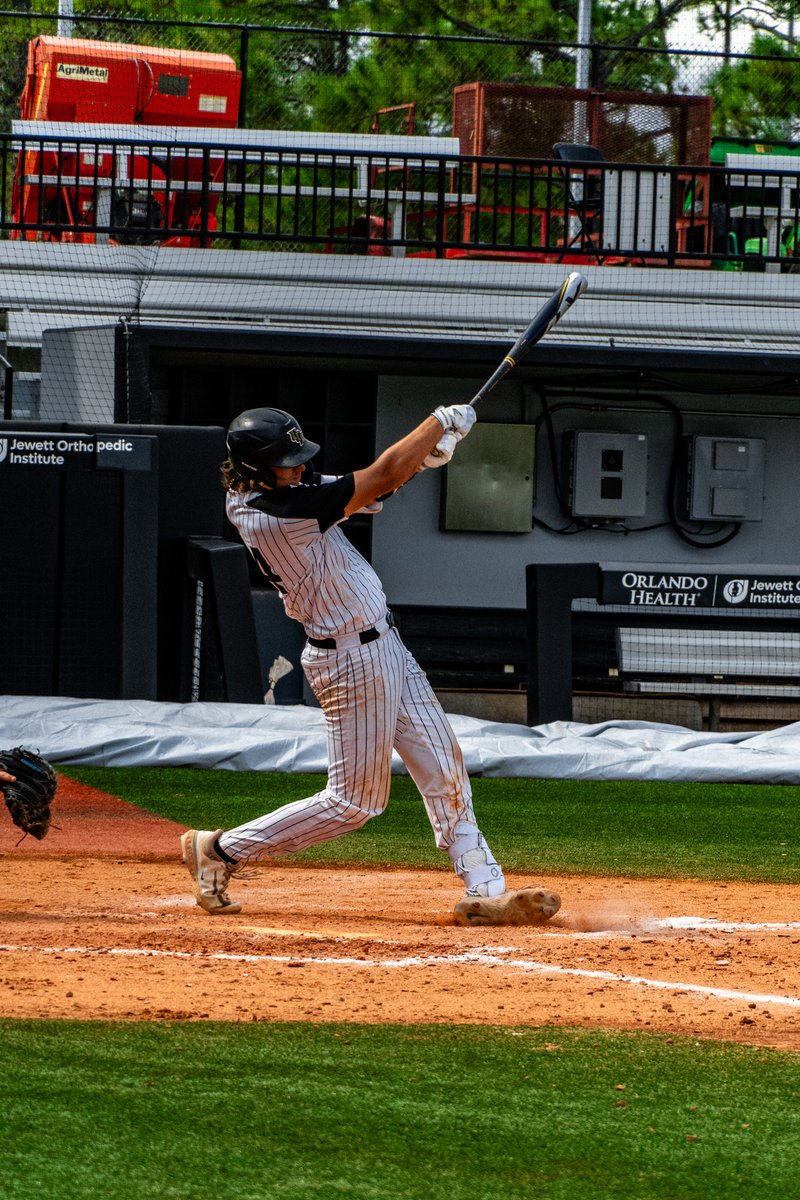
x=364, y=636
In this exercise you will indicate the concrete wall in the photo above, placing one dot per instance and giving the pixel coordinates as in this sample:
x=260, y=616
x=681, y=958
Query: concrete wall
x=77, y=381
x=422, y=565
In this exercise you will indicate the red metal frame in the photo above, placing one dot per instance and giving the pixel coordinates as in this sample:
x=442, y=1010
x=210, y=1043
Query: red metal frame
x=526, y=120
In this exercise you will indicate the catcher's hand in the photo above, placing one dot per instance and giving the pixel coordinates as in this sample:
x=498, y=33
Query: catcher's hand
x=28, y=796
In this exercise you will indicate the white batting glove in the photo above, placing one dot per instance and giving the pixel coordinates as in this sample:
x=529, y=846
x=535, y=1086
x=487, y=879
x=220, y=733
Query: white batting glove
x=457, y=418
x=442, y=452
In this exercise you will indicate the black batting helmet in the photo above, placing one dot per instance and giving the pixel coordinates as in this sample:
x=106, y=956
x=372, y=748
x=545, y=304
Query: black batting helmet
x=262, y=438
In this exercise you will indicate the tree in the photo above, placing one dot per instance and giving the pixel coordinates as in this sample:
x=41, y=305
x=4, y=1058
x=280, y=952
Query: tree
x=433, y=45
x=778, y=20
x=313, y=64
x=758, y=96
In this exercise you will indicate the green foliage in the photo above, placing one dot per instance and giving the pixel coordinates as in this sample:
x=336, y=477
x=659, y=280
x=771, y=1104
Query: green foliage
x=666, y=830
x=758, y=97
x=101, y=1111
x=308, y=70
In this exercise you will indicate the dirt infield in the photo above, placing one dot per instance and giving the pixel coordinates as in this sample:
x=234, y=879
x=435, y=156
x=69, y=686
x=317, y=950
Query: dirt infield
x=98, y=921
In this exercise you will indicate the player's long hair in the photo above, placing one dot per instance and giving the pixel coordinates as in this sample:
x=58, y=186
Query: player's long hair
x=233, y=480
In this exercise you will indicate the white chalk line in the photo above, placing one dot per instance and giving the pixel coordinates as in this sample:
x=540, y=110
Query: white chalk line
x=654, y=925
x=469, y=958
x=725, y=926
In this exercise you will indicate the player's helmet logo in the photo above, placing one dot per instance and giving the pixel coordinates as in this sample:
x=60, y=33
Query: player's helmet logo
x=736, y=590
x=296, y=436
x=3, y=449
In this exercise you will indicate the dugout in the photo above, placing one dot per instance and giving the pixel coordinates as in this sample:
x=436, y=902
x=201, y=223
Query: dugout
x=459, y=591
x=602, y=430
x=622, y=364
x=121, y=584
x=689, y=629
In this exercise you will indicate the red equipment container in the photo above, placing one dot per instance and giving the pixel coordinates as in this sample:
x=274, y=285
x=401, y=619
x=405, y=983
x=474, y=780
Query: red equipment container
x=108, y=83
x=526, y=121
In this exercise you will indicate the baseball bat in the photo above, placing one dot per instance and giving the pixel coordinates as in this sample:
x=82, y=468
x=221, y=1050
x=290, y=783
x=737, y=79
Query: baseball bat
x=548, y=315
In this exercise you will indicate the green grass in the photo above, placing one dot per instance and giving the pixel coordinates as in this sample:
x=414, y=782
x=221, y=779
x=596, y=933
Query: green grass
x=667, y=830
x=268, y=1111
x=302, y=1112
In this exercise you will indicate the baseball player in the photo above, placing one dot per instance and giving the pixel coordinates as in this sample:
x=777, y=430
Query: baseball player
x=374, y=695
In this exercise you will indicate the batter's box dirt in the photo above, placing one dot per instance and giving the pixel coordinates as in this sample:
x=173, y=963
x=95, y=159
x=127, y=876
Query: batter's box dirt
x=118, y=935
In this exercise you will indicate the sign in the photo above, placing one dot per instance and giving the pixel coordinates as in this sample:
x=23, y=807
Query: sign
x=82, y=72
x=653, y=588
x=213, y=104
x=70, y=451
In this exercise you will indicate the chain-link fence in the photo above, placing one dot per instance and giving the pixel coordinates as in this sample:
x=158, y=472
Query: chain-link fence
x=306, y=78
x=502, y=102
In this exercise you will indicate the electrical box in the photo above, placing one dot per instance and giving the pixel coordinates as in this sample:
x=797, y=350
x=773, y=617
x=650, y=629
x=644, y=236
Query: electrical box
x=488, y=484
x=606, y=474
x=725, y=479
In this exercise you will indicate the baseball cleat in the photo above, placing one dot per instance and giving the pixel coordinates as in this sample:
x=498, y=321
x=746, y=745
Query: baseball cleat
x=528, y=906
x=209, y=873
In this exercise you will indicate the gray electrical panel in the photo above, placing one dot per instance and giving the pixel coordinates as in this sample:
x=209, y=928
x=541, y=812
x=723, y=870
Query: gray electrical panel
x=607, y=474
x=725, y=479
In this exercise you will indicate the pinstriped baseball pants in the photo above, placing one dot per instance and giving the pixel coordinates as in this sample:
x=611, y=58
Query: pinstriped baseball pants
x=375, y=698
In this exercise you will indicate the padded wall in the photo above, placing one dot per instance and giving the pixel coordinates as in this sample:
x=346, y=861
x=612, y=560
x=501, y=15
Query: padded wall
x=91, y=593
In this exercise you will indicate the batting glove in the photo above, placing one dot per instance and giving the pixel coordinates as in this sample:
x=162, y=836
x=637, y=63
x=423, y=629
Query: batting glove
x=457, y=419
x=442, y=452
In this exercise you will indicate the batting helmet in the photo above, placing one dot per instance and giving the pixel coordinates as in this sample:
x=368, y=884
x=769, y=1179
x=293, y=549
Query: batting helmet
x=262, y=438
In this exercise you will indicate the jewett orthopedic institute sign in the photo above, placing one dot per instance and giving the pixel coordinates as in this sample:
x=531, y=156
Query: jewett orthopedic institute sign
x=693, y=589
x=86, y=451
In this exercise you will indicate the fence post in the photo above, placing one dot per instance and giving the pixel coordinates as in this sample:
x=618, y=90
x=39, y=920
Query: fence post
x=596, y=63
x=8, y=388
x=205, y=198
x=244, y=53
x=441, y=230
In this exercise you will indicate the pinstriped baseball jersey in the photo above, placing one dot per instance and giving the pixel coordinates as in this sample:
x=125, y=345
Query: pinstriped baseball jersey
x=293, y=533
x=374, y=695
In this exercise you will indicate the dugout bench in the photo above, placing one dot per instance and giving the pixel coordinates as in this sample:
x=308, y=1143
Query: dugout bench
x=715, y=663
x=680, y=643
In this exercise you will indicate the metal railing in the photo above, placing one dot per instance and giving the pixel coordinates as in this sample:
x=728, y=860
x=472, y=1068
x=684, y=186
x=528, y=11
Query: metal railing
x=231, y=189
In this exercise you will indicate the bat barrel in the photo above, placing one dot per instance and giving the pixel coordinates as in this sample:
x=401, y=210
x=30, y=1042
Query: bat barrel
x=551, y=312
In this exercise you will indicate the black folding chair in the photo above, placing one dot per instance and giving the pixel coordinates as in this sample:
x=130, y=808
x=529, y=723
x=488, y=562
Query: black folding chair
x=583, y=194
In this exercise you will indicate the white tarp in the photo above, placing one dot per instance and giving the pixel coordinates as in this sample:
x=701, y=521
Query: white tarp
x=251, y=737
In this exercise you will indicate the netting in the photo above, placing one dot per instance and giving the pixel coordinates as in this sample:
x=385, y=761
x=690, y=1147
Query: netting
x=355, y=225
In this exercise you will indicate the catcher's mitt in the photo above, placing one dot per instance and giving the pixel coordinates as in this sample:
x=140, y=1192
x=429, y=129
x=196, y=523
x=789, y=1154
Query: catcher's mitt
x=28, y=798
